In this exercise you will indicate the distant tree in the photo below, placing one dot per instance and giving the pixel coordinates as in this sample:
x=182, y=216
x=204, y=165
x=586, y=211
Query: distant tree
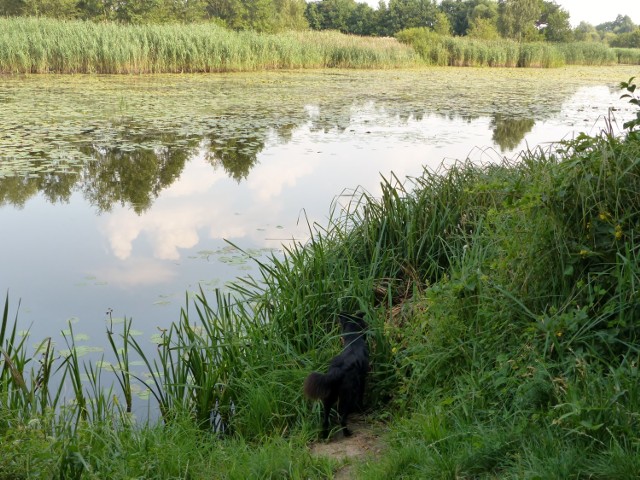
x=330, y=14
x=51, y=8
x=11, y=8
x=622, y=24
x=483, y=28
x=627, y=39
x=441, y=24
x=97, y=9
x=411, y=13
x=363, y=20
x=290, y=15
x=258, y=15
x=554, y=22
x=457, y=11
x=585, y=32
x=487, y=9
x=136, y=11
x=185, y=11
x=517, y=19
x=383, y=20
x=313, y=15
x=462, y=13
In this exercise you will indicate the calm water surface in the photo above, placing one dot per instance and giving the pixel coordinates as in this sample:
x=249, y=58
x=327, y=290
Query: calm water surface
x=119, y=192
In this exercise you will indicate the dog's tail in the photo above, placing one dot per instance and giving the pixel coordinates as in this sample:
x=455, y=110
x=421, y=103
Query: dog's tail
x=318, y=386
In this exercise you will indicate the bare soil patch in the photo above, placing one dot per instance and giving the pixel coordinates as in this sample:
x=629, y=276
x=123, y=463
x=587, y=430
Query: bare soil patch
x=364, y=442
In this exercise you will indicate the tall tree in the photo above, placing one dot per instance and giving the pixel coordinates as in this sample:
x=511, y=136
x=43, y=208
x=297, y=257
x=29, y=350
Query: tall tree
x=517, y=19
x=259, y=15
x=463, y=13
x=290, y=15
x=412, y=13
x=483, y=28
x=330, y=14
x=622, y=24
x=11, y=8
x=363, y=20
x=627, y=39
x=51, y=8
x=184, y=10
x=554, y=22
x=457, y=13
x=585, y=32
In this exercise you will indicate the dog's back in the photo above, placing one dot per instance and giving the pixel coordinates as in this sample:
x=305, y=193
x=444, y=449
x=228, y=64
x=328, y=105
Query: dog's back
x=345, y=380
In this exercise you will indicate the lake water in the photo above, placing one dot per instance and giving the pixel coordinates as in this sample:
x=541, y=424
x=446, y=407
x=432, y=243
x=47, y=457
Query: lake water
x=118, y=192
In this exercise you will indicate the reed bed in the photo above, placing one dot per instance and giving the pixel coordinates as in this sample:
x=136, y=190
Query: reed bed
x=470, y=52
x=40, y=45
x=628, y=56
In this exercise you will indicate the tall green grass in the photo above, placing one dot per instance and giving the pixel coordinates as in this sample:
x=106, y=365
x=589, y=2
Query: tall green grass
x=628, y=56
x=41, y=45
x=469, y=52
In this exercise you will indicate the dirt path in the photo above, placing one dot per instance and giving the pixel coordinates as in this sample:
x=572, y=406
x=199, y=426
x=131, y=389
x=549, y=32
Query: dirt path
x=364, y=442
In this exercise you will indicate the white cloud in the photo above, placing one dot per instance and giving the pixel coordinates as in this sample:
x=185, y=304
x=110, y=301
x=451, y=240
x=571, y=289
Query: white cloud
x=269, y=179
x=135, y=273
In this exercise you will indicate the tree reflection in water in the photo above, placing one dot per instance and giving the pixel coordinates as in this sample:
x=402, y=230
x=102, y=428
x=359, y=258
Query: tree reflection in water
x=508, y=132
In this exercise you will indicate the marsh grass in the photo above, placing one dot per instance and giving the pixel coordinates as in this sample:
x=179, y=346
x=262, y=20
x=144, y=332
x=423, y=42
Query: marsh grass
x=41, y=45
x=502, y=301
x=469, y=52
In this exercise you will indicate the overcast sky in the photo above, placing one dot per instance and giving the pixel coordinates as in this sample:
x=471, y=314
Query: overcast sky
x=592, y=11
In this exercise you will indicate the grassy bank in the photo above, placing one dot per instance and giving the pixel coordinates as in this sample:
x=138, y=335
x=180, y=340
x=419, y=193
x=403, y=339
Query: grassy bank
x=40, y=45
x=503, y=305
x=470, y=52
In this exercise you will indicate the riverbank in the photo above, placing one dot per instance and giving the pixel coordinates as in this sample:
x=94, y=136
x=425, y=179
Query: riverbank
x=30, y=45
x=502, y=301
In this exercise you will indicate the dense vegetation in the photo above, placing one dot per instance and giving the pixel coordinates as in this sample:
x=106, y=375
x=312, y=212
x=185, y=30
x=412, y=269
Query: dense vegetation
x=445, y=50
x=41, y=45
x=503, y=305
x=520, y=20
x=33, y=45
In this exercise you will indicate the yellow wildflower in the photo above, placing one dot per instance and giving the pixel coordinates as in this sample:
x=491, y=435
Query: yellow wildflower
x=618, y=232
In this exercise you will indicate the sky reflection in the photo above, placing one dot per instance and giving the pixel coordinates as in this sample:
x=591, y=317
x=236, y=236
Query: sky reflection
x=76, y=258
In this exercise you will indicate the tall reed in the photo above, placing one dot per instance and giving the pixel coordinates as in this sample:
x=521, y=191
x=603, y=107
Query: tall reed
x=41, y=45
x=469, y=52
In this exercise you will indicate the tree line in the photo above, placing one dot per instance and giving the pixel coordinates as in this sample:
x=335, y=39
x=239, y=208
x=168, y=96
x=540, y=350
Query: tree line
x=521, y=20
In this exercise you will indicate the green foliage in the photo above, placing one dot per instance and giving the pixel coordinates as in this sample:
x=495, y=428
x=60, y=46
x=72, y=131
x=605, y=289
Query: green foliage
x=522, y=357
x=627, y=40
x=634, y=99
x=517, y=19
x=483, y=28
x=40, y=45
x=622, y=24
x=585, y=32
x=556, y=23
x=473, y=50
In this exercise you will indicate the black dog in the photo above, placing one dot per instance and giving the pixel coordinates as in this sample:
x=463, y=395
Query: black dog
x=344, y=382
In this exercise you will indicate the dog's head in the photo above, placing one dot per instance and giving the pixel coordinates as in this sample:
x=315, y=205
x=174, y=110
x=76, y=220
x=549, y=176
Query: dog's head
x=352, y=323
